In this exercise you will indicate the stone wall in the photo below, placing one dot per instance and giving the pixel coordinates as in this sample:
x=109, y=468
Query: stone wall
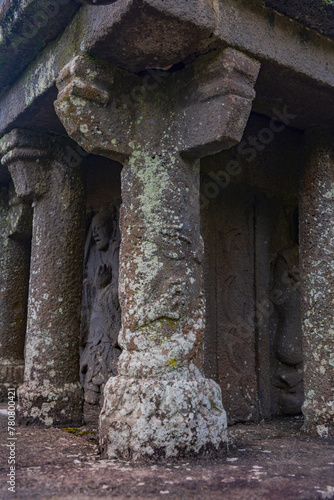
x=249, y=202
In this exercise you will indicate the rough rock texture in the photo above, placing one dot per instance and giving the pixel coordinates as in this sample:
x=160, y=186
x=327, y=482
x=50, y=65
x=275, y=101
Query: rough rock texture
x=26, y=28
x=248, y=197
x=230, y=341
x=317, y=14
x=15, y=229
x=160, y=403
x=47, y=171
x=101, y=311
x=297, y=64
x=287, y=343
x=269, y=461
x=317, y=275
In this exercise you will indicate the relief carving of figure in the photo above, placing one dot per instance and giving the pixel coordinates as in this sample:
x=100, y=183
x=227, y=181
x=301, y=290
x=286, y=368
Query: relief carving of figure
x=287, y=344
x=101, y=313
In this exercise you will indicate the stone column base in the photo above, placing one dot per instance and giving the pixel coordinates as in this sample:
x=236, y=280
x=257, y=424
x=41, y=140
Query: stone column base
x=175, y=416
x=50, y=405
x=11, y=376
x=319, y=419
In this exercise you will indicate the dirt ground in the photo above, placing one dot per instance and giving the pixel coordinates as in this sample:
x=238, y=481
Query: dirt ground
x=274, y=460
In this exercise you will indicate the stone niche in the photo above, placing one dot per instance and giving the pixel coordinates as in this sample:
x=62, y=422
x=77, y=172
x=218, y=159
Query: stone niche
x=249, y=218
x=101, y=313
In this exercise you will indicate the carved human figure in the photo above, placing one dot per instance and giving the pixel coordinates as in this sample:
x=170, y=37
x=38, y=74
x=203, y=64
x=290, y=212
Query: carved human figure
x=287, y=343
x=101, y=315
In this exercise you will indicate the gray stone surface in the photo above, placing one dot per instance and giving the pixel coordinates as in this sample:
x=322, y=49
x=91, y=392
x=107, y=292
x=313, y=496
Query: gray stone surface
x=26, y=28
x=15, y=230
x=267, y=461
x=101, y=311
x=288, y=55
x=317, y=276
x=47, y=171
x=249, y=197
x=160, y=403
x=316, y=14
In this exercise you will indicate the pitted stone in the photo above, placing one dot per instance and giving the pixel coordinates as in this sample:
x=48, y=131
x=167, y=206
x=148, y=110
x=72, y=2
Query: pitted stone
x=158, y=132
x=317, y=277
x=15, y=224
x=46, y=170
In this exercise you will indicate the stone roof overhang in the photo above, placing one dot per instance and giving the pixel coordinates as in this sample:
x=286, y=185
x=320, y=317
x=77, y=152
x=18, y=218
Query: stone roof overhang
x=26, y=27
x=297, y=62
x=316, y=14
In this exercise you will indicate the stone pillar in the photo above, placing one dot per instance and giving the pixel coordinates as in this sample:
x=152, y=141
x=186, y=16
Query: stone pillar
x=47, y=171
x=15, y=229
x=160, y=404
x=317, y=276
x=165, y=401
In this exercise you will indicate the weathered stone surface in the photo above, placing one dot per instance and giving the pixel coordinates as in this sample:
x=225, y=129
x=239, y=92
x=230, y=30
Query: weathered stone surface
x=317, y=14
x=263, y=461
x=101, y=312
x=317, y=276
x=222, y=80
x=248, y=196
x=97, y=2
x=47, y=171
x=26, y=28
x=15, y=226
x=297, y=64
x=230, y=341
x=287, y=344
x=160, y=403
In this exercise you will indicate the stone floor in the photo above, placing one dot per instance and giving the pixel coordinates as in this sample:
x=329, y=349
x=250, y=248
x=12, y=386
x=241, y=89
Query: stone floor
x=268, y=461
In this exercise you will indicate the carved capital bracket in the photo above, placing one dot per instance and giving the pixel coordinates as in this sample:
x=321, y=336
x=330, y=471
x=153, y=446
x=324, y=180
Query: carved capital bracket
x=93, y=106
x=29, y=156
x=204, y=107
x=218, y=103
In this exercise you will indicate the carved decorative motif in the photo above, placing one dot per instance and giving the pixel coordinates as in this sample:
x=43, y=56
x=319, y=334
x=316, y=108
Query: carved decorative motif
x=101, y=312
x=287, y=345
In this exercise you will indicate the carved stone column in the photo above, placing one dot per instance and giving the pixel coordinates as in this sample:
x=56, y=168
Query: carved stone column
x=15, y=230
x=160, y=403
x=317, y=275
x=47, y=171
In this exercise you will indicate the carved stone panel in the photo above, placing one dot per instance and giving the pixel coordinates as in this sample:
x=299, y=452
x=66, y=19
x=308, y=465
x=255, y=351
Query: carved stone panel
x=101, y=312
x=231, y=332
x=287, y=341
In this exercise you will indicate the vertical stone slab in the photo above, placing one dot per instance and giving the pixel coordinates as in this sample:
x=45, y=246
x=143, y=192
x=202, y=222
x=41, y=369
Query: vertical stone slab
x=47, y=171
x=160, y=404
x=235, y=295
x=15, y=228
x=317, y=276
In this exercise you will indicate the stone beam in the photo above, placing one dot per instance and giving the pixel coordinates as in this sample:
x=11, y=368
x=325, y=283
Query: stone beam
x=239, y=24
x=26, y=28
x=160, y=403
x=163, y=33
x=46, y=170
x=317, y=276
